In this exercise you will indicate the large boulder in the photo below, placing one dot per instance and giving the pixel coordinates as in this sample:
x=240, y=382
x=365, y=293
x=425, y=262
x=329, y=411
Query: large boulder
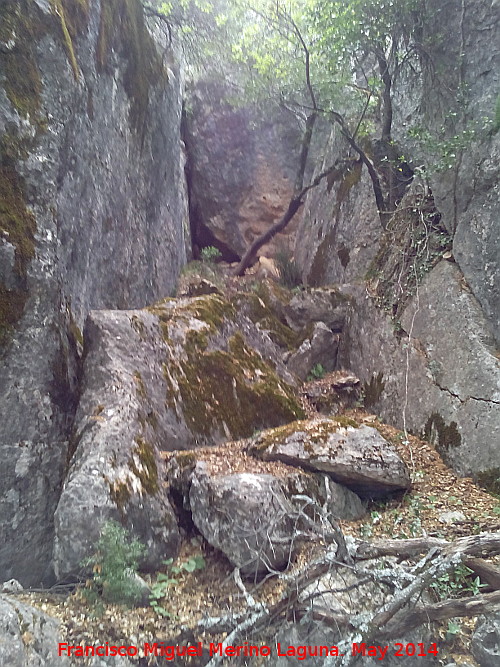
x=251, y=510
x=241, y=169
x=247, y=516
x=353, y=455
x=183, y=373
x=93, y=214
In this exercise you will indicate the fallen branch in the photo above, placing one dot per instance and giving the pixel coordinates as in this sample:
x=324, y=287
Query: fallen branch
x=441, y=611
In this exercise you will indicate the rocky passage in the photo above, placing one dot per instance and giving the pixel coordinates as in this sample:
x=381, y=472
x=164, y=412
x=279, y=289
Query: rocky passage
x=236, y=428
x=263, y=510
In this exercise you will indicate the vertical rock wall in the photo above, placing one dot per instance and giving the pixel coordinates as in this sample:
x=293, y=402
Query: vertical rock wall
x=242, y=170
x=424, y=332
x=93, y=214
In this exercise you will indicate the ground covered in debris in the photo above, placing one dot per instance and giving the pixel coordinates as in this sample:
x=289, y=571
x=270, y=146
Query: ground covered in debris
x=440, y=504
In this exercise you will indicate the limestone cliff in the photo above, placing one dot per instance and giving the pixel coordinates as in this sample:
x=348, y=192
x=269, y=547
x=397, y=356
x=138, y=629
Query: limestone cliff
x=424, y=333
x=93, y=214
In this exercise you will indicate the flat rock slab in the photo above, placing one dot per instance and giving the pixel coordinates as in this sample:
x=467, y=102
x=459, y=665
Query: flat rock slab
x=356, y=456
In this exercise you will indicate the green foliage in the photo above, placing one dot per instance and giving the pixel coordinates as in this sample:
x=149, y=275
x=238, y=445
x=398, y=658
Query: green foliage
x=114, y=564
x=454, y=628
x=496, y=121
x=316, y=373
x=443, y=147
x=288, y=269
x=210, y=254
x=171, y=578
x=457, y=583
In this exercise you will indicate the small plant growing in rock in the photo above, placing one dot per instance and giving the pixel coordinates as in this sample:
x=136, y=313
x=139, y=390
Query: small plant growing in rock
x=210, y=254
x=114, y=566
x=288, y=269
x=317, y=372
x=171, y=578
x=456, y=583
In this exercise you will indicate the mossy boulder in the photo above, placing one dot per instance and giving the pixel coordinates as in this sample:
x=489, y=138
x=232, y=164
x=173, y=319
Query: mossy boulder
x=224, y=376
x=183, y=373
x=351, y=454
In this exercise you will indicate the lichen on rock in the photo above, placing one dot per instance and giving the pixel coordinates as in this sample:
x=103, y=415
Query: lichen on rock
x=351, y=454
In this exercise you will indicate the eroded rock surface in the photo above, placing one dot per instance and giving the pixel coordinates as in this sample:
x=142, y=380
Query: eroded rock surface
x=28, y=636
x=450, y=380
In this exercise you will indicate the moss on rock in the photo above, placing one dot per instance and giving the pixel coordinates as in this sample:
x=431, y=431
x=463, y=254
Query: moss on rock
x=230, y=391
x=315, y=431
x=260, y=313
x=22, y=24
x=18, y=226
x=233, y=391
x=122, y=29
x=143, y=465
x=68, y=29
x=120, y=494
x=16, y=222
x=12, y=304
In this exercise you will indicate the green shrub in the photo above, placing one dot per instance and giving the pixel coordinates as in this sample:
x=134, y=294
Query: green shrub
x=458, y=582
x=316, y=373
x=210, y=254
x=114, y=565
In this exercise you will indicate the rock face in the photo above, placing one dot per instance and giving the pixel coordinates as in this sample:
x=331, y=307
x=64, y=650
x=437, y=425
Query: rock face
x=443, y=360
x=93, y=214
x=339, y=229
x=353, y=455
x=486, y=641
x=424, y=333
x=183, y=373
x=28, y=636
x=241, y=169
x=467, y=195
